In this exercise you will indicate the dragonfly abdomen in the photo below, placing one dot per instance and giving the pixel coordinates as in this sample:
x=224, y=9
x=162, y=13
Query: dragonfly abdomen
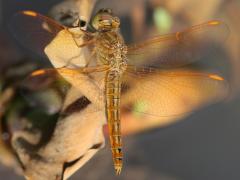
x=113, y=85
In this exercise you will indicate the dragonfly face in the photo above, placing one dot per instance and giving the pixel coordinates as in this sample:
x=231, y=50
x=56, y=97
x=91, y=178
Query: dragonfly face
x=104, y=20
x=157, y=91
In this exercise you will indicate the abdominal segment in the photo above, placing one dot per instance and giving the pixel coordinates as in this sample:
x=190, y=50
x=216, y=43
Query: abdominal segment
x=113, y=84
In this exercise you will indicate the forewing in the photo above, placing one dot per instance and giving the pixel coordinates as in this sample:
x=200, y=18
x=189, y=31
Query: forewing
x=181, y=48
x=33, y=30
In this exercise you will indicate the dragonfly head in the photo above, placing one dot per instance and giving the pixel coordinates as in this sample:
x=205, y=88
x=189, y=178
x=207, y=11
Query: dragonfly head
x=104, y=20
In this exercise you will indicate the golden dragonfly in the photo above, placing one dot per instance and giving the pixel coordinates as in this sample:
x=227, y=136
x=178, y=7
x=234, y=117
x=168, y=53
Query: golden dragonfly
x=123, y=67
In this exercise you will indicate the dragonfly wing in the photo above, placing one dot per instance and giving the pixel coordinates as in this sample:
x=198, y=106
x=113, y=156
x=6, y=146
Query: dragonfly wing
x=34, y=30
x=37, y=32
x=181, y=48
x=161, y=93
x=89, y=86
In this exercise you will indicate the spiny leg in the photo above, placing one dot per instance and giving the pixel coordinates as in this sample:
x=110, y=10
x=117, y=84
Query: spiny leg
x=89, y=59
x=76, y=35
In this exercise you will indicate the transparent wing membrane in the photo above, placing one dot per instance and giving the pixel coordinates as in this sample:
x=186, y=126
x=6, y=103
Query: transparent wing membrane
x=34, y=30
x=162, y=93
x=181, y=48
x=88, y=84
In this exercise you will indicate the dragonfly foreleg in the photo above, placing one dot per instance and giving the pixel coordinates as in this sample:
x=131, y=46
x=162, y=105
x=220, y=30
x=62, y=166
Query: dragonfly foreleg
x=78, y=36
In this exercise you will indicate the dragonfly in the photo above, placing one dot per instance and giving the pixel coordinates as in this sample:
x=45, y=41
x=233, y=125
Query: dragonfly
x=150, y=72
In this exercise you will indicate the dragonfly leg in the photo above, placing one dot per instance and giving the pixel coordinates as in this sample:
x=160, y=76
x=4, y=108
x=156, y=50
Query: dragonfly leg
x=76, y=36
x=89, y=59
x=85, y=43
x=86, y=32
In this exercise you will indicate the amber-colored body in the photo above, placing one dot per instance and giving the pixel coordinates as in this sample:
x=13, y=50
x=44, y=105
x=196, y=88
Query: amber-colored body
x=110, y=50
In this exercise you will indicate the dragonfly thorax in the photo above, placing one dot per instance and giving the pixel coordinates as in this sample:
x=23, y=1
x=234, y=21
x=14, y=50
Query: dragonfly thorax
x=118, y=66
x=111, y=50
